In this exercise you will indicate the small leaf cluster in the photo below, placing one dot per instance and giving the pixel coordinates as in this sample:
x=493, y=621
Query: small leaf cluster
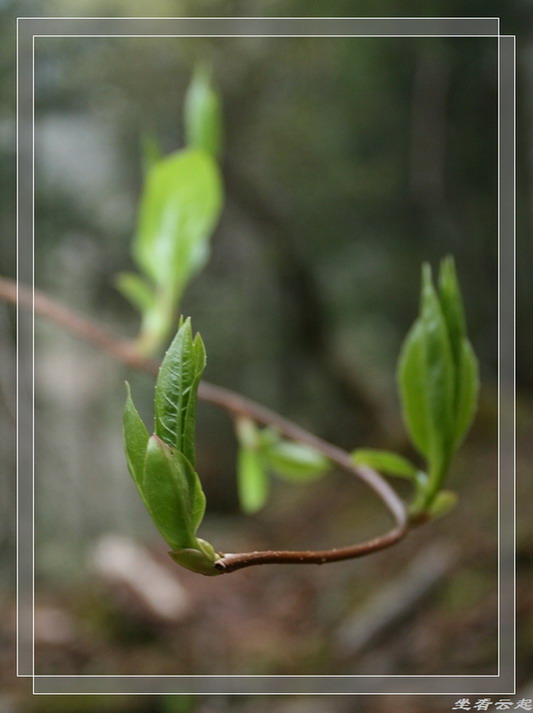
x=162, y=465
x=179, y=208
x=263, y=452
x=437, y=370
x=438, y=383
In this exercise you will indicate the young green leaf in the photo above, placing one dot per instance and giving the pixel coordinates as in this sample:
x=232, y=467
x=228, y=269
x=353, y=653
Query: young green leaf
x=439, y=369
x=413, y=391
x=252, y=480
x=167, y=493
x=196, y=496
x=150, y=150
x=296, y=461
x=385, y=462
x=175, y=391
x=467, y=391
x=452, y=305
x=135, y=441
x=427, y=379
x=189, y=425
x=180, y=206
x=162, y=469
x=466, y=368
x=438, y=379
x=202, y=114
x=200, y=559
x=266, y=437
x=136, y=290
x=250, y=437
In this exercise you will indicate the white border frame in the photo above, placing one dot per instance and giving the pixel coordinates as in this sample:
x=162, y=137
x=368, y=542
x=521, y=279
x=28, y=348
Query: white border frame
x=37, y=676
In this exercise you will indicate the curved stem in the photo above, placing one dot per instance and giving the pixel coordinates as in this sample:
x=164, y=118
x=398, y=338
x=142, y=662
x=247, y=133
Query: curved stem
x=237, y=405
x=232, y=562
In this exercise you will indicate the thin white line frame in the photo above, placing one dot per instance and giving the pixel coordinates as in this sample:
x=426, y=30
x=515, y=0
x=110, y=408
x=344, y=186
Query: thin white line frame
x=20, y=200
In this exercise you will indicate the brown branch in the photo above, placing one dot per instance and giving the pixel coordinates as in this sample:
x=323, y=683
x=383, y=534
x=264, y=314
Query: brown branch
x=74, y=323
x=237, y=405
x=233, y=562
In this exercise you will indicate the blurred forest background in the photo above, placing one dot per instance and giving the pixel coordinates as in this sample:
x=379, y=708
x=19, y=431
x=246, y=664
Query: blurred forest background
x=347, y=162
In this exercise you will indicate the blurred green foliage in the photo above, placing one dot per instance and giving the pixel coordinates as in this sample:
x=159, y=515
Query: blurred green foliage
x=344, y=166
x=438, y=378
x=262, y=452
x=179, y=208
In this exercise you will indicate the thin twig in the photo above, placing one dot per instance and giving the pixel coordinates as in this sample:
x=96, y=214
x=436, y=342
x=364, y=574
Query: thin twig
x=237, y=405
x=123, y=350
x=233, y=562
